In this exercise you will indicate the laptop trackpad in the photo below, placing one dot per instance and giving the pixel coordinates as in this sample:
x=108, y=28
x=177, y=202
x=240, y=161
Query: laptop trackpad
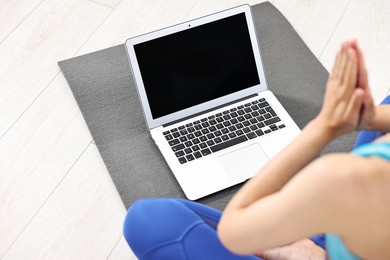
x=244, y=163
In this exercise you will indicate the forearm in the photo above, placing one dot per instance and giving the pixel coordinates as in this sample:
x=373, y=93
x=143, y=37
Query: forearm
x=381, y=120
x=276, y=173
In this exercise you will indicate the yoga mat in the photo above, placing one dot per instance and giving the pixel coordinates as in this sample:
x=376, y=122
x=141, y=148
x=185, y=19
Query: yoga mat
x=103, y=87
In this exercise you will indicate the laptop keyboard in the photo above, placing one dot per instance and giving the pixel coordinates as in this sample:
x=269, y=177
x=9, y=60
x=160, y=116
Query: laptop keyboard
x=222, y=130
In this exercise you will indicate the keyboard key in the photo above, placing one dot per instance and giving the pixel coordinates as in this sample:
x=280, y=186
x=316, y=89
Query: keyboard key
x=191, y=136
x=195, y=141
x=174, y=142
x=195, y=148
x=190, y=129
x=212, y=128
x=212, y=122
x=218, y=114
x=219, y=119
x=224, y=137
x=255, y=102
x=273, y=127
x=240, y=112
x=179, y=153
x=188, y=143
x=254, y=114
x=260, y=125
x=246, y=123
x=232, y=135
x=226, y=117
x=260, y=118
x=219, y=126
x=202, y=145
x=233, y=109
x=248, y=116
x=225, y=131
x=181, y=127
x=205, y=124
x=197, y=134
x=217, y=133
x=183, y=139
x=211, y=117
x=246, y=130
x=263, y=104
x=178, y=147
x=168, y=137
x=251, y=135
x=267, y=116
x=166, y=133
x=210, y=142
x=198, y=127
x=203, y=119
x=226, y=112
x=267, y=131
x=173, y=130
x=210, y=136
x=183, y=132
x=259, y=132
x=205, y=131
x=253, y=121
x=239, y=132
x=272, y=121
x=261, y=99
x=247, y=105
x=254, y=127
x=182, y=160
x=226, y=123
x=234, y=121
x=203, y=138
x=189, y=124
x=239, y=126
x=234, y=114
x=190, y=157
x=229, y=143
x=262, y=111
x=240, y=118
x=217, y=140
x=188, y=150
x=254, y=107
x=205, y=152
x=240, y=107
x=282, y=126
x=197, y=155
x=196, y=122
x=248, y=110
x=176, y=134
x=232, y=128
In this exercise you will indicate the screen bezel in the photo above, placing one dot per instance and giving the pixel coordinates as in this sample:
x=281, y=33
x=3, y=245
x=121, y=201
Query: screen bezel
x=187, y=112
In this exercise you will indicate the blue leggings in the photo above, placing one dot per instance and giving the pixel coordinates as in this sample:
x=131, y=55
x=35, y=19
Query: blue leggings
x=160, y=228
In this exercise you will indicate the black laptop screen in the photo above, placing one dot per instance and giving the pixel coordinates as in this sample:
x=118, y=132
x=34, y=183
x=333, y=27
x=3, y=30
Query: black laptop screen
x=197, y=65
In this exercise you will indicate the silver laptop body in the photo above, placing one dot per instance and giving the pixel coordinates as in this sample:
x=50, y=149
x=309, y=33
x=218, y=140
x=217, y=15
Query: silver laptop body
x=206, y=102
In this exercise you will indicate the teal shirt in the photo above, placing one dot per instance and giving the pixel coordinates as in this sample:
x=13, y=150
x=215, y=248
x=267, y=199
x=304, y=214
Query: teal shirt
x=334, y=245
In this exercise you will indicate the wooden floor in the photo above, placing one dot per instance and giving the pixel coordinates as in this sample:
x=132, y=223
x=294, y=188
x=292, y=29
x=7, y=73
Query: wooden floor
x=57, y=200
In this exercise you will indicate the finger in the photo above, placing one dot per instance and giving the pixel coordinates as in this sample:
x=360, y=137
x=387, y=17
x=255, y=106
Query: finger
x=336, y=66
x=352, y=112
x=339, y=71
x=350, y=75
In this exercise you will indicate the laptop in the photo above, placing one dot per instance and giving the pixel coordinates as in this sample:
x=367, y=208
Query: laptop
x=206, y=101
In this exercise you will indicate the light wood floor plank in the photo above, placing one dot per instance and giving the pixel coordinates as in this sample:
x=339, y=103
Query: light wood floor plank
x=54, y=31
x=122, y=251
x=12, y=14
x=109, y=3
x=314, y=21
x=134, y=17
x=36, y=155
x=81, y=220
x=369, y=23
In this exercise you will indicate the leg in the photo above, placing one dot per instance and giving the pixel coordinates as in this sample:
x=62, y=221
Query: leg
x=175, y=229
x=366, y=136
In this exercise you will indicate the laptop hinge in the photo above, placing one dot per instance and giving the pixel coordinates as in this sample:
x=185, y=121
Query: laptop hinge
x=209, y=110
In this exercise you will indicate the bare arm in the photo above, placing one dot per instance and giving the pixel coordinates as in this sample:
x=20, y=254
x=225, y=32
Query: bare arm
x=381, y=119
x=243, y=219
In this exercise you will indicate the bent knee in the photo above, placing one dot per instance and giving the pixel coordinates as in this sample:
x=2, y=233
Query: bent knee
x=152, y=222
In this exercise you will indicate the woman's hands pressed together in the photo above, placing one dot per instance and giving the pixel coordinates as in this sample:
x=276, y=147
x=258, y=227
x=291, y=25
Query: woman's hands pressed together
x=347, y=104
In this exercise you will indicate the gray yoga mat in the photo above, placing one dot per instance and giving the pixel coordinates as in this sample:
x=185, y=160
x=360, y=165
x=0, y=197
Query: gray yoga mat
x=104, y=89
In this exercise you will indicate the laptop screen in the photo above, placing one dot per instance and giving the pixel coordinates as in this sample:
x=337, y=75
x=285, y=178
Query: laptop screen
x=197, y=65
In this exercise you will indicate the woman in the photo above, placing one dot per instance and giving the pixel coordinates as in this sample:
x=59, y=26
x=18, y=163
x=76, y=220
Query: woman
x=344, y=195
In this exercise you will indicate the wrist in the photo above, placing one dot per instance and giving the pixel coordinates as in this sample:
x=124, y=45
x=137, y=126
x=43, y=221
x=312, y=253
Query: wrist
x=319, y=131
